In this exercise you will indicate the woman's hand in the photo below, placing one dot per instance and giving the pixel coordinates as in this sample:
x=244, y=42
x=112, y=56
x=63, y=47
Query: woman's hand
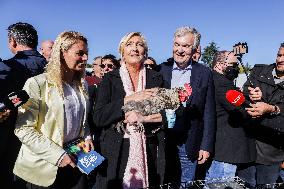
x=67, y=160
x=88, y=145
x=133, y=117
x=141, y=95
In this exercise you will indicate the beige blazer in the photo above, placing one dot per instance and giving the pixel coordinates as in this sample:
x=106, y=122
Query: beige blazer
x=40, y=128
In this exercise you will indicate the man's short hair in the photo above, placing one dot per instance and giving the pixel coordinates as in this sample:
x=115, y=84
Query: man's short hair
x=24, y=34
x=282, y=45
x=112, y=58
x=152, y=59
x=220, y=56
x=182, y=31
x=96, y=58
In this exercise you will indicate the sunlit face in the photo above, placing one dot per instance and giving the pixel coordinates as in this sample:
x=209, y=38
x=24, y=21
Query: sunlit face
x=134, y=51
x=182, y=49
x=97, y=71
x=280, y=60
x=231, y=59
x=197, y=54
x=107, y=66
x=12, y=45
x=46, y=48
x=76, y=57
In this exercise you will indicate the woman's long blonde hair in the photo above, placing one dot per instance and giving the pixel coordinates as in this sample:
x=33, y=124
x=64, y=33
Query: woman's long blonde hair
x=56, y=66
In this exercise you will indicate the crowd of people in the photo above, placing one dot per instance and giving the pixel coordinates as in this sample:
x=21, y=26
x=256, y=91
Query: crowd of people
x=210, y=137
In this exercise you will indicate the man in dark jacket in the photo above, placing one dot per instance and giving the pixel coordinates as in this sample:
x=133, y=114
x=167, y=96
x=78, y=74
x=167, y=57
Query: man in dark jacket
x=268, y=112
x=3, y=76
x=234, y=145
x=27, y=62
x=191, y=139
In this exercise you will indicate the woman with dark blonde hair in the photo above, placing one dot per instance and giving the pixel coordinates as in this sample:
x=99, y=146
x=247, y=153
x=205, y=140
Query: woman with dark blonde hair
x=55, y=115
x=134, y=159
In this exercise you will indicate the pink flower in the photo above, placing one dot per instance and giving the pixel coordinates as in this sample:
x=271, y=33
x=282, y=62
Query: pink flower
x=185, y=93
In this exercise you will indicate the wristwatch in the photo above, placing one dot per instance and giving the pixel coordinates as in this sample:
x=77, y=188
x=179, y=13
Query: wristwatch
x=276, y=110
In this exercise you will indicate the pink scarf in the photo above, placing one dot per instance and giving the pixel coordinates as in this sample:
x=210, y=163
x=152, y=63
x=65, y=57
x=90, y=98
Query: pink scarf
x=136, y=172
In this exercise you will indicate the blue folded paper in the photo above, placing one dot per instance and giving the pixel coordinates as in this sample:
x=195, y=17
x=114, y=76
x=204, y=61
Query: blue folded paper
x=87, y=162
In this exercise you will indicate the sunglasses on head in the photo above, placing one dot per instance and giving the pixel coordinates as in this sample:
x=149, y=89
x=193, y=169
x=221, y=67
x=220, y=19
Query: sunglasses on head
x=151, y=66
x=110, y=66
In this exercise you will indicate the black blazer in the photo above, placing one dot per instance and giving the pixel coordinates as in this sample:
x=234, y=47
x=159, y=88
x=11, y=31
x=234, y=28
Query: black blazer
x=200, y=111
x=110, y=98
x=234, y=136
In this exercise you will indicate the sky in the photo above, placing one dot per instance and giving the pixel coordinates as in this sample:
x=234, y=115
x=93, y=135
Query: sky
x=260, y=23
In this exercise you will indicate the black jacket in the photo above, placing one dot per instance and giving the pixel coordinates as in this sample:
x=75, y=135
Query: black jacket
x=234, y=140
x=25, y=64
x=13, y=75
x=108, y=111
x=270, y=128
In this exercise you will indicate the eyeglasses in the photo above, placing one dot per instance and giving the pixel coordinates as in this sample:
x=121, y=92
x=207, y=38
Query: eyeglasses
x=150, y=66
x=81, y=53
x=110, y=66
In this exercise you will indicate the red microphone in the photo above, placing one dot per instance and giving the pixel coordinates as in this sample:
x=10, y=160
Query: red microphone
x=236, y=98
x=14, y=100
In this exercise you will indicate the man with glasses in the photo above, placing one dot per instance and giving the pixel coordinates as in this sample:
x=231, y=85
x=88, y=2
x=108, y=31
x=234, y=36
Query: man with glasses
x=234, y=145
x=109, y=63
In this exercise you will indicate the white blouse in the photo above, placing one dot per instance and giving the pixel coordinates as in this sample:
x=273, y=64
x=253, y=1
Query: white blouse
x=73, y=112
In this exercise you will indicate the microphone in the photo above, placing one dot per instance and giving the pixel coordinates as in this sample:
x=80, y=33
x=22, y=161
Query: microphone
x=236, y=98
x=14, y=100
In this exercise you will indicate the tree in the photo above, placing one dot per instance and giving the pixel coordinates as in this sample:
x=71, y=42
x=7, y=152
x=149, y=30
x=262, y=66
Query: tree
x=246, y=68
x=208, y=53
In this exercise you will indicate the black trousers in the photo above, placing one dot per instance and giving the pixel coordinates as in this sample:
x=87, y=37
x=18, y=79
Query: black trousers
x=10, y=146
x=66, y=178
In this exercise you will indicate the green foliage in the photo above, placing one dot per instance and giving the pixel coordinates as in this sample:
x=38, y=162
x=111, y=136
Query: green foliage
x=246, y=68
x=208, y=53
x=89, y=65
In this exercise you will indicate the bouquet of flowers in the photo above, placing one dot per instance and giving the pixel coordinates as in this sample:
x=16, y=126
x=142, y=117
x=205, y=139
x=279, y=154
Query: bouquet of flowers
x=164, y=99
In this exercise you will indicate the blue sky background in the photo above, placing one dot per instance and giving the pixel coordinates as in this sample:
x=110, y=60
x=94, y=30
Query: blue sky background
x=260, y=23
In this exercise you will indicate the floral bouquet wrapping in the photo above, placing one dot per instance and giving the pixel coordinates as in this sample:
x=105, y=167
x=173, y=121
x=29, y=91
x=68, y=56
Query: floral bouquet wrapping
x=164, y=99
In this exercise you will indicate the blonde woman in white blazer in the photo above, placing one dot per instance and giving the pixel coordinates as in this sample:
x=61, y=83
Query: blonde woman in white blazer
x=56, y=113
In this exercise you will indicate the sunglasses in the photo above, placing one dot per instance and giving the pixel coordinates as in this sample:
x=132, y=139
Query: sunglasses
x=110, y=66
x=150, y=66
x=81, y=53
